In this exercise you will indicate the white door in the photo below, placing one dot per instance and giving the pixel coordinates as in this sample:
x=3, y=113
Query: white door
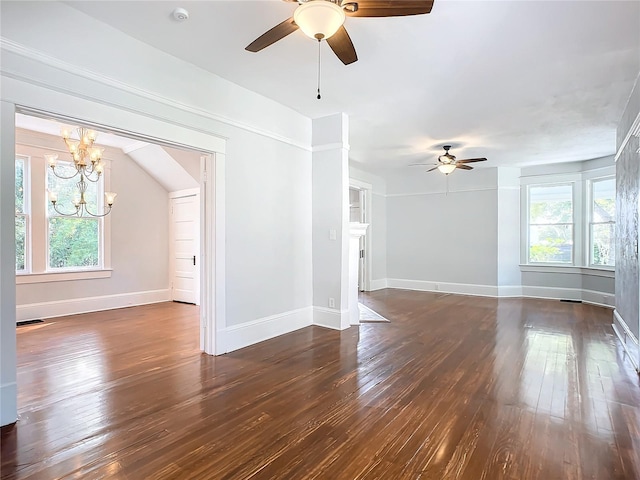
x=185, y=221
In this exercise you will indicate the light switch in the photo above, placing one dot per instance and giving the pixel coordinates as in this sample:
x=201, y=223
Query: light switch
x=332, y=234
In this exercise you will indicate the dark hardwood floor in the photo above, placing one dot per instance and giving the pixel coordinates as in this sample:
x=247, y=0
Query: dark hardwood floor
x=454, y=387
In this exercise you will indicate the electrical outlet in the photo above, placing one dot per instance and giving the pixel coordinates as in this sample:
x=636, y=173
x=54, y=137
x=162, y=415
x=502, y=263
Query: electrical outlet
x=437, y=287
x=332, y=302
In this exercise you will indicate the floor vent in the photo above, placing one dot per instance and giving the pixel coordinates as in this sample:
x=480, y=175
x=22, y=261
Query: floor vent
x=571, y=301
x=29, y=322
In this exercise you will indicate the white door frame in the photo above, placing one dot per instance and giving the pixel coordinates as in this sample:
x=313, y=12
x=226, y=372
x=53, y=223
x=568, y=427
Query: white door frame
x=212, y=221
x=366, y=209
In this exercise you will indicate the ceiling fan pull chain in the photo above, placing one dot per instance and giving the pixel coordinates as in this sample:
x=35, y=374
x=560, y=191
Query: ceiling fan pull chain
x=319, y=64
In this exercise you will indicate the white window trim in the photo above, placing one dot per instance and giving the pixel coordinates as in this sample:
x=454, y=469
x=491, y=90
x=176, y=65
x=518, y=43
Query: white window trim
x=38, y=272
x=590, y=222
x=576, y=192
x=62, y=276
x=26, y=209
x=581, y=222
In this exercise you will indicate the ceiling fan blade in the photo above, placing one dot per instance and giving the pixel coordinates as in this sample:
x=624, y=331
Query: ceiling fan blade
x=464, y=167
x=342, y=46
x=272, y=36
x=471, y=160
x=432, y=169
x=421, y=164
x=388, y=8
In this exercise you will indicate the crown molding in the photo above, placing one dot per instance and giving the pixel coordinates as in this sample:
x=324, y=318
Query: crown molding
x=37, y=56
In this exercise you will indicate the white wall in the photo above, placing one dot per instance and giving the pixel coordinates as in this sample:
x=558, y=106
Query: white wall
x=138, y=236
x=114, y=80
x=443, y=238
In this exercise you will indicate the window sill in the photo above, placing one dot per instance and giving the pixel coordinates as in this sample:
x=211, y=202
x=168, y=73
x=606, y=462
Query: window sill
x=608, y=272
x=25, y=278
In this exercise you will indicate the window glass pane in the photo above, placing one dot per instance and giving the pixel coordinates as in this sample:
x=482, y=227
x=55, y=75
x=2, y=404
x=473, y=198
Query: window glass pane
x=604, y=248
x=551, y=243
x=21, y=246
x=19, y=185
x=553, y=204
x=68, y=190
x=604, y=200
x=73, y=242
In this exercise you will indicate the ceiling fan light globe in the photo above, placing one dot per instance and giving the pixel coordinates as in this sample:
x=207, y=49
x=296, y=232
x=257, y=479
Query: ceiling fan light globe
x=319, y=18
x=446, y=168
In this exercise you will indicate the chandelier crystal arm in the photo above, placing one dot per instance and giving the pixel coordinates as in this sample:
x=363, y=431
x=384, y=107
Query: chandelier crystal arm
x=87, y=160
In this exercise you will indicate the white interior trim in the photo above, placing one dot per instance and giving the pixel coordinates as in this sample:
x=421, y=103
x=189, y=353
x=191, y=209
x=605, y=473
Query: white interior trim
x=331, y=318
x=569, y=270
x=31, y=54
x=26, y=278
x=443, y=287
x=74, y=306
x=249, y=333
x=378, y=284
x=634, y=130
x=367, y=188
x=603, y=299
x=9, y=395
x=622, y=336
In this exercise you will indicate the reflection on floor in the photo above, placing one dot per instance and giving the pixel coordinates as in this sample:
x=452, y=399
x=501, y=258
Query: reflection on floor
x=369, y=316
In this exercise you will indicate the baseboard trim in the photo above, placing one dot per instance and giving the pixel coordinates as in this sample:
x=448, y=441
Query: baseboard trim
x=443, y=287
x=245, y=334
x=632, y=352
x=8, y=403
x=378, y=284
x=331, y=318
x=509, y=291
x=74, y=306
x=601, y=299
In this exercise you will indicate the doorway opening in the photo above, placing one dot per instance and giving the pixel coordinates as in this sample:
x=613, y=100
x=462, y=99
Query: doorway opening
x=360, y=203
x=130, y=260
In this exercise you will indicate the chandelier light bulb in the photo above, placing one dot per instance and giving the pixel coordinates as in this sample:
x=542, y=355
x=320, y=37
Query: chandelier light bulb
x=66, y=132
x=110, y=197
x=53, y=196
x=52, y=159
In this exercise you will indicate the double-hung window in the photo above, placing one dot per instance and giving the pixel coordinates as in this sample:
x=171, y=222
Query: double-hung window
x=73, y=242
x=602, y=217
x=22, y=214
x=551, y=224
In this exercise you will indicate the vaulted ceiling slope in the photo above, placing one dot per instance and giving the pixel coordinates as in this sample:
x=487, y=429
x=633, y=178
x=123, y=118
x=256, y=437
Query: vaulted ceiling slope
x=519, y=82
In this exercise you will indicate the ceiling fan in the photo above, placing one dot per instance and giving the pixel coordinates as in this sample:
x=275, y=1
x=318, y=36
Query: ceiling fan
x=324, y=19
x=447, y=163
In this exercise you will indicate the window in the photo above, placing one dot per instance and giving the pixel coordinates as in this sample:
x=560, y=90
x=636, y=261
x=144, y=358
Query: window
x=550, y=224
x=73, y=242
x=22, y=219
x=602, y=224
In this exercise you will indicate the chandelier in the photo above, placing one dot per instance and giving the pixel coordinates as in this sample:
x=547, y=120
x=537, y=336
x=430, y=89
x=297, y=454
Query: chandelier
x=87, y=161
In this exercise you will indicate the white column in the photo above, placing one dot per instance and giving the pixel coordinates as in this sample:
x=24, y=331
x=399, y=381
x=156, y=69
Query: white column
x=330, y=221
x=8, y=387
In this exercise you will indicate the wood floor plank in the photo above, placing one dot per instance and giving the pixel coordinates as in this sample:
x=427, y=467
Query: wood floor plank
x=454, y=387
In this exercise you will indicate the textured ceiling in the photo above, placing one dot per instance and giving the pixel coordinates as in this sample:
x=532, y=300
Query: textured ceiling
x=520, y=82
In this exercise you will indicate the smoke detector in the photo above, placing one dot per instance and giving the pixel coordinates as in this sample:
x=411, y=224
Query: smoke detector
x=180, y=14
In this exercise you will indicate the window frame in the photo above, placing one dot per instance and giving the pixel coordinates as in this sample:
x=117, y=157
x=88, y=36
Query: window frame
x=100, y=189
x=34, y=145
x=26, y=211
x=590, y=221
x=575, y=248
